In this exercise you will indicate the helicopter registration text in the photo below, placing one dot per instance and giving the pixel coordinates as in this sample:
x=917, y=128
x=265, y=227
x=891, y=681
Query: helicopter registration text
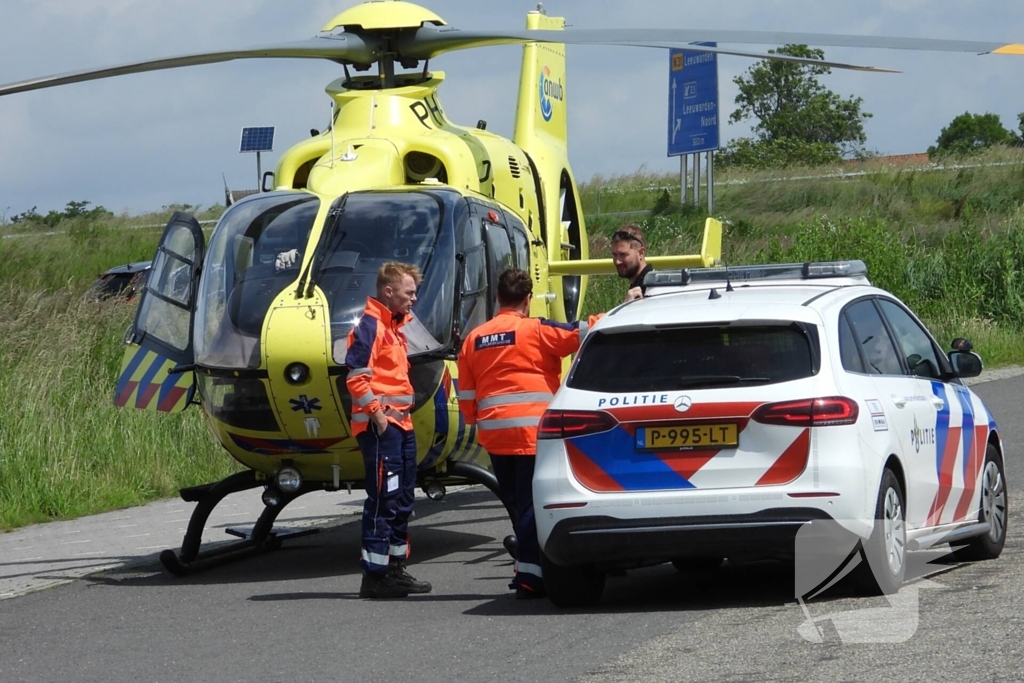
x=429, y=110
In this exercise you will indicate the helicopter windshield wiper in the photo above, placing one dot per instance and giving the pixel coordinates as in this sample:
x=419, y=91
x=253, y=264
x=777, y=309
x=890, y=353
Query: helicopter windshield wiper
x=720, y=380
x=313, y=269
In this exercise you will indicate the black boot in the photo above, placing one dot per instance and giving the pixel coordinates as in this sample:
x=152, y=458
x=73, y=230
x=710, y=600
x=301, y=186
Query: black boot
x=384, y=586
x=396, y=572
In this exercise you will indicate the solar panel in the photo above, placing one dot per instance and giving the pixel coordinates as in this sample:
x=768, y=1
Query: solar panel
x=257, y=139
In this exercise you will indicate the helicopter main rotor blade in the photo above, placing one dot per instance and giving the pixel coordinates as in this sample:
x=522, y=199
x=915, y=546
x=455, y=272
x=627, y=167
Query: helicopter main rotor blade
x=341, y=47
x=430, y=41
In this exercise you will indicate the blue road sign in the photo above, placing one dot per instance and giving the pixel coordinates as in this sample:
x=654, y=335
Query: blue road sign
x=692, y=101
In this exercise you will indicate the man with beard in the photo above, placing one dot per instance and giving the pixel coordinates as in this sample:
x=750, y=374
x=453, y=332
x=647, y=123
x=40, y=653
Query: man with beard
x=629, y=253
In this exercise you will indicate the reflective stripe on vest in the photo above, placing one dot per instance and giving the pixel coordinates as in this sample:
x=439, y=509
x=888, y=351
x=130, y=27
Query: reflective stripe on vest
x=512, y=399
x=360, y=371
x=486, y=425
x=365, y=399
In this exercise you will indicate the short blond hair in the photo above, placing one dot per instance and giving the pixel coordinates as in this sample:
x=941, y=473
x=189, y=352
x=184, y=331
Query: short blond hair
x=392, y=273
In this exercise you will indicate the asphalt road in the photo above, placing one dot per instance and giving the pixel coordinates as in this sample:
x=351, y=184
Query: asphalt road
x=293, y=615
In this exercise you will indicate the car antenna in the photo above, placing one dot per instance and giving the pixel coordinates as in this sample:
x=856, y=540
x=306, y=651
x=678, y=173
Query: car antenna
x=714, y=294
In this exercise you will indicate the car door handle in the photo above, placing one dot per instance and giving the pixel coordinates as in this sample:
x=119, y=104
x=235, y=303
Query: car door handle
x=899, y=401
x=938, y=403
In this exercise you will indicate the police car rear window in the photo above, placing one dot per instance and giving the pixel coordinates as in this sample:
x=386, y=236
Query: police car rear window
x=696, y=357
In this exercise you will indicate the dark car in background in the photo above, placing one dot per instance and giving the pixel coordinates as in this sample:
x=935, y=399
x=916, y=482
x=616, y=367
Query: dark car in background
x=123, y=281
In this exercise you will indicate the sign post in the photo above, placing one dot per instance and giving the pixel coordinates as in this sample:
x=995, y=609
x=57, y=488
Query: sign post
x=693, y=111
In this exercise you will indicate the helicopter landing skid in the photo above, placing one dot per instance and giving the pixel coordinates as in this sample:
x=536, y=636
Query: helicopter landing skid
x=261, y=537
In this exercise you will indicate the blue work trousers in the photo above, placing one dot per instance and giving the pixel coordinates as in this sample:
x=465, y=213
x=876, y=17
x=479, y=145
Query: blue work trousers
x=390, y=462
x=515, y=481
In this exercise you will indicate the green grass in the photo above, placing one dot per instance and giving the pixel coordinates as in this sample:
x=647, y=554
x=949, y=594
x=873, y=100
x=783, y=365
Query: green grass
x=950, y=243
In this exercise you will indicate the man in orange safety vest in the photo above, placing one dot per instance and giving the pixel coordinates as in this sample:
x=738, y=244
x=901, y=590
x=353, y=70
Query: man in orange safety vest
x=509, y=369
x=382, y=400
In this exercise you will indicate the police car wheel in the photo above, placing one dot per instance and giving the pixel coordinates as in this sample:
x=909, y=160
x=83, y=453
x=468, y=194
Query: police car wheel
x=579, y=586
x=884, y=553
x=993, y=511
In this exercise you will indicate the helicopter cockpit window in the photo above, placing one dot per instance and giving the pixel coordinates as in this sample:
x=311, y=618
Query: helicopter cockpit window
x=254, y=253
x=377, y=227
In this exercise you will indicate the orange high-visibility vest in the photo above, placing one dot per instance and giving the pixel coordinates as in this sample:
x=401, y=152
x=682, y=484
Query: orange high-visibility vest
x=509, y=370
x=378, y=368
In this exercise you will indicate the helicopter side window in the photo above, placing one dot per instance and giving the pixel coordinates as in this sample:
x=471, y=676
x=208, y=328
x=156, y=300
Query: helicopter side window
x=474, y=289
x=474, y=301
x=500, y=256
x=520, y=241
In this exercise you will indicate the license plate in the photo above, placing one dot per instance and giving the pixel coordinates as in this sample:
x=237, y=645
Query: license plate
x=690, y=436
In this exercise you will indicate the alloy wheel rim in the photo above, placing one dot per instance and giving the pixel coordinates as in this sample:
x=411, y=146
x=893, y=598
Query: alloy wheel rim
x=895, y=542
x=993, y=501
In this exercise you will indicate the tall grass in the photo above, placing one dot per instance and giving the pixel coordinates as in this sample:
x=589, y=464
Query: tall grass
x=65, y=450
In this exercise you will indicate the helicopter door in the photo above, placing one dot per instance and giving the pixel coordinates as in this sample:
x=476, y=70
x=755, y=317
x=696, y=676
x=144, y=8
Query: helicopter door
x=156, y=372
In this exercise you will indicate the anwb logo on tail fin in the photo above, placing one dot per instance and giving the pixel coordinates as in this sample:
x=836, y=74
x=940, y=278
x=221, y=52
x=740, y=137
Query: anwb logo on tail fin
x=549, y=90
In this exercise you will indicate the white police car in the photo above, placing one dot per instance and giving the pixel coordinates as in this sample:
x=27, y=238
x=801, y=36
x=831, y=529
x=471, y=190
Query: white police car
x=731, y=406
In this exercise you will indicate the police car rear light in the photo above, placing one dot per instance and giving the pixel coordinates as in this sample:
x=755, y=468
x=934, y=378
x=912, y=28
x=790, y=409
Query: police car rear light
x=564, y=506
x=566, y=424
x=809, y=412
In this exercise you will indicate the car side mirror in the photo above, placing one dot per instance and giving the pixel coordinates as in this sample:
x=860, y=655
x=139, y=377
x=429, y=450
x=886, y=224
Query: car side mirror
x=267, y=183
x=966, y=363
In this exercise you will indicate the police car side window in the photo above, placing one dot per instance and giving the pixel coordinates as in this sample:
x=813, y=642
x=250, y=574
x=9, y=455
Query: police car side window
x=918, y=348
x=848, y=348
x=870, y=335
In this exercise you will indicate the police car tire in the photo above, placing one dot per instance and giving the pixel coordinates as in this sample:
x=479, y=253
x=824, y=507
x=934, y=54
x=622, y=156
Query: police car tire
x=993, y=483
x=874, y=576
x=579, y=586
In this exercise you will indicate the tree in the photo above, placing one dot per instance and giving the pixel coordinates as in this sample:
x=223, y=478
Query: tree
x=798, y=119
x=972, y=132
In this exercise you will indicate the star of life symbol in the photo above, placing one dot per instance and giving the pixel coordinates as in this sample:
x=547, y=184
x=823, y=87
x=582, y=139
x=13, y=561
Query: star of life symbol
x=305, y=404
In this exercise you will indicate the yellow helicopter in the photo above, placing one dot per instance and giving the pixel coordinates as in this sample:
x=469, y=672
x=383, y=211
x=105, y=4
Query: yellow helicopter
x=252, y=325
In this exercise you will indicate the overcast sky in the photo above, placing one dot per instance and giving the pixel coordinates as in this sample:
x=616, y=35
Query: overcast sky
x=137, y=143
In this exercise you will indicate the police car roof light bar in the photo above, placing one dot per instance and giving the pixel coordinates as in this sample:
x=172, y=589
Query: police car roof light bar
x=811, y=270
